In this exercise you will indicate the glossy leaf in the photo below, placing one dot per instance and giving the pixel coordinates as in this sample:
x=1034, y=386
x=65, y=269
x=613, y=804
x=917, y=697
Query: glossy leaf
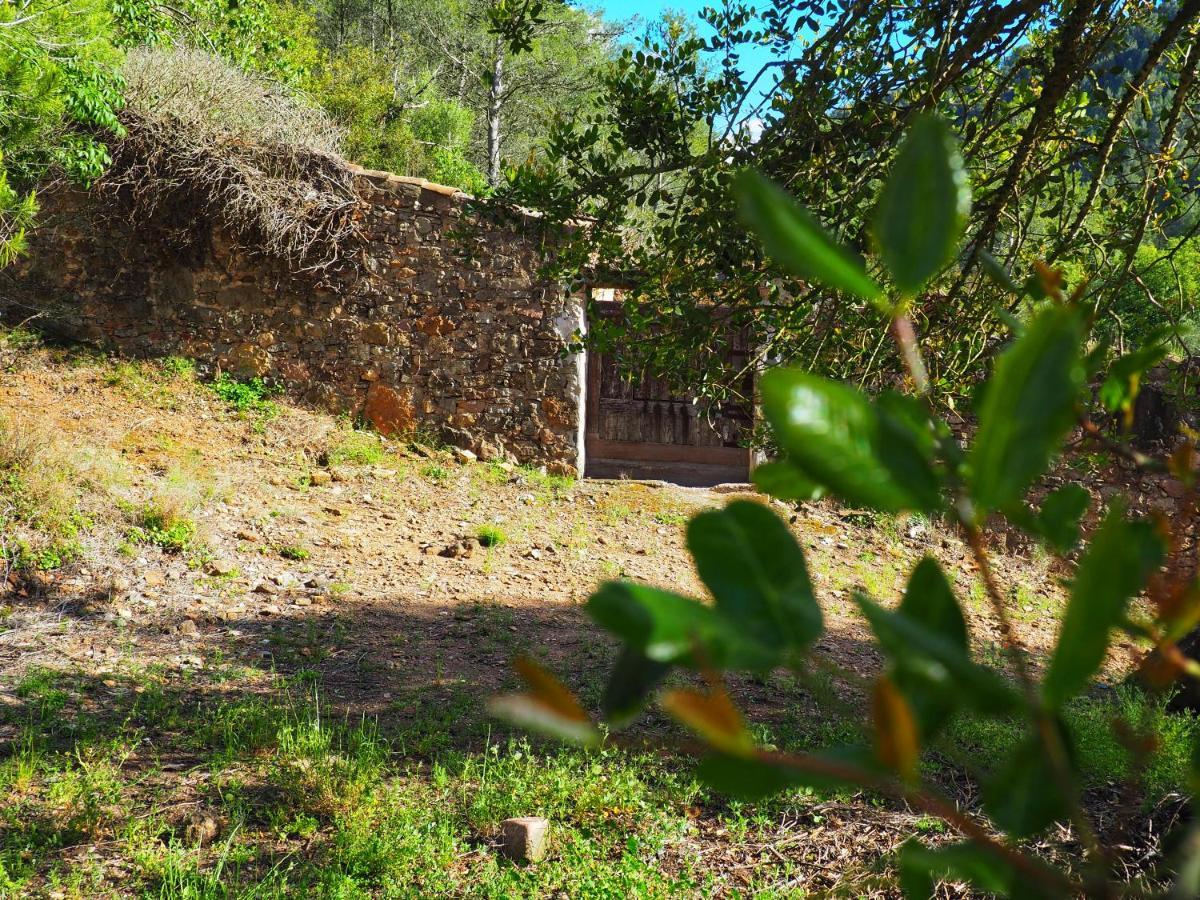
x=1120, y=559
x=1027, y=410
x=713, y=716
x=795, y=240
x=923, y=868
x=930, y=600
x=548, y=706
x=527, y=711
x=1058, y=519
x=896, y=741
x=914, y=644
x=782, y=480
x=751, y=563
x=927, y=684
x=1123, y=382
x=633, y=677
x=861, y=452
x=1024, y=796
x=668, y=628
x=754, y=778
x=923, y=207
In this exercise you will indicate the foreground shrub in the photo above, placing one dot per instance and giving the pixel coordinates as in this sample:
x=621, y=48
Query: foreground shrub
x=891, y=453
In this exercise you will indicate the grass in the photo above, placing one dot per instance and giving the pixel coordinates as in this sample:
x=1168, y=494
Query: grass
x=435, y=472
x=358, y=448
x=491, y=536
x=294, y=552
x=1102, y=757
x=158, y=384
x=311, y=806
x=163, y=522
x=248, y=398
x=41, y=515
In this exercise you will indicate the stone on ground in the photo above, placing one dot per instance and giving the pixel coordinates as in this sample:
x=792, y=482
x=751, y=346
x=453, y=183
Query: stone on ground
x=523, y=839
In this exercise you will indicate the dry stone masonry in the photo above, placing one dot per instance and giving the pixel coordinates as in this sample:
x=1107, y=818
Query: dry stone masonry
x=445, y=328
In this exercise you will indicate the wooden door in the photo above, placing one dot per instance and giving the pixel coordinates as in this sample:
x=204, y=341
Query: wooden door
x=641, y=428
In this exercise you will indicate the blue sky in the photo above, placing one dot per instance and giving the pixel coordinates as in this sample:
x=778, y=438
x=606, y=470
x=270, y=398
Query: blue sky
x=650, y=10
x=646, y=11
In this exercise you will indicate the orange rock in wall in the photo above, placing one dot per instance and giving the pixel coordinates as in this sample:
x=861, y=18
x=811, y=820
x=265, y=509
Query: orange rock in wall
x=389, y=410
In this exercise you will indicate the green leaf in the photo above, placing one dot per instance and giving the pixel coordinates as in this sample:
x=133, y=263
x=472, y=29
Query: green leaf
x=939, y=658
x=1120, y=559
x=1121, y=386
x=923, y=868
x=751, y=563
x=756, y=778
x=1000, y=275
x=1027, y=409
x=668, y=628
x=1024, y=796
x=931, y=689
x=1060, y=515
x=923, y=206
x=871, y=455
x=930, y=600
x=782, y=480
x=797, y=241
x=526, y=711
x=633, y=677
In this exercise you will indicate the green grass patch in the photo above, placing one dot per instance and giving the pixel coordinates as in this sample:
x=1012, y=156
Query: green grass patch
x=358, y=448
x=435, y=472
x=491, y=535
x=1102, y=758
x=161, y=523
x=250, y=398
x=41, y=513
x=308, y=805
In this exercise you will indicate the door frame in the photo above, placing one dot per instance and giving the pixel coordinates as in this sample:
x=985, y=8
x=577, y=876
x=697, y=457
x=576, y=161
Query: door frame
x=599, y=451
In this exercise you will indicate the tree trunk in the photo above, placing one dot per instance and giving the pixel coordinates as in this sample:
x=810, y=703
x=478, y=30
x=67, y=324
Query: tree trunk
x=495, y=103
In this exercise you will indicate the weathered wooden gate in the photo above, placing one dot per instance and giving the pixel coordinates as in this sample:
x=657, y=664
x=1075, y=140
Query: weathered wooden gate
x=640, y=428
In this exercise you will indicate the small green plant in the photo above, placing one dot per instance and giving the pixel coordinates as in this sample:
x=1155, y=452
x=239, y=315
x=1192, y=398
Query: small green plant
x=294, y=552
x=246, y=396
x=670, y=517
x=163, y=525
x=359, y=448
x=179, y=367
x=491, y=536
x=41, y=520
x=435, y=472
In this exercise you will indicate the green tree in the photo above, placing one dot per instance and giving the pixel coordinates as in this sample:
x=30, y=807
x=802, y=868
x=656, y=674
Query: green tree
x=423, y=55
x=1065, y=109
x=59, y=94
x=891, y=452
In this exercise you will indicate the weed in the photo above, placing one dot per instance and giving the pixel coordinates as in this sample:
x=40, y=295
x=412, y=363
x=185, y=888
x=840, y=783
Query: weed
x=359, y=448
x=294, y=552
x=249, y=398
x=40, y=516
x=435, y=472
x=670, y=517
x=163, y=523
x=491, y=535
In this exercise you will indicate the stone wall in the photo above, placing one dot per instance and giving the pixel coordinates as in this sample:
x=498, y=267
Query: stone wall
x=444, y=328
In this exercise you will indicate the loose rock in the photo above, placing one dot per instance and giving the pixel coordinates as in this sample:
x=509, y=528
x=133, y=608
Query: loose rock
x=523, y=839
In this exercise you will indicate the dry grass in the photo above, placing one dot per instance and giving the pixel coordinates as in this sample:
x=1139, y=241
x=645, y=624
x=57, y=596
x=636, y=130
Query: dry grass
x=208, y=143
x=39, y=515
